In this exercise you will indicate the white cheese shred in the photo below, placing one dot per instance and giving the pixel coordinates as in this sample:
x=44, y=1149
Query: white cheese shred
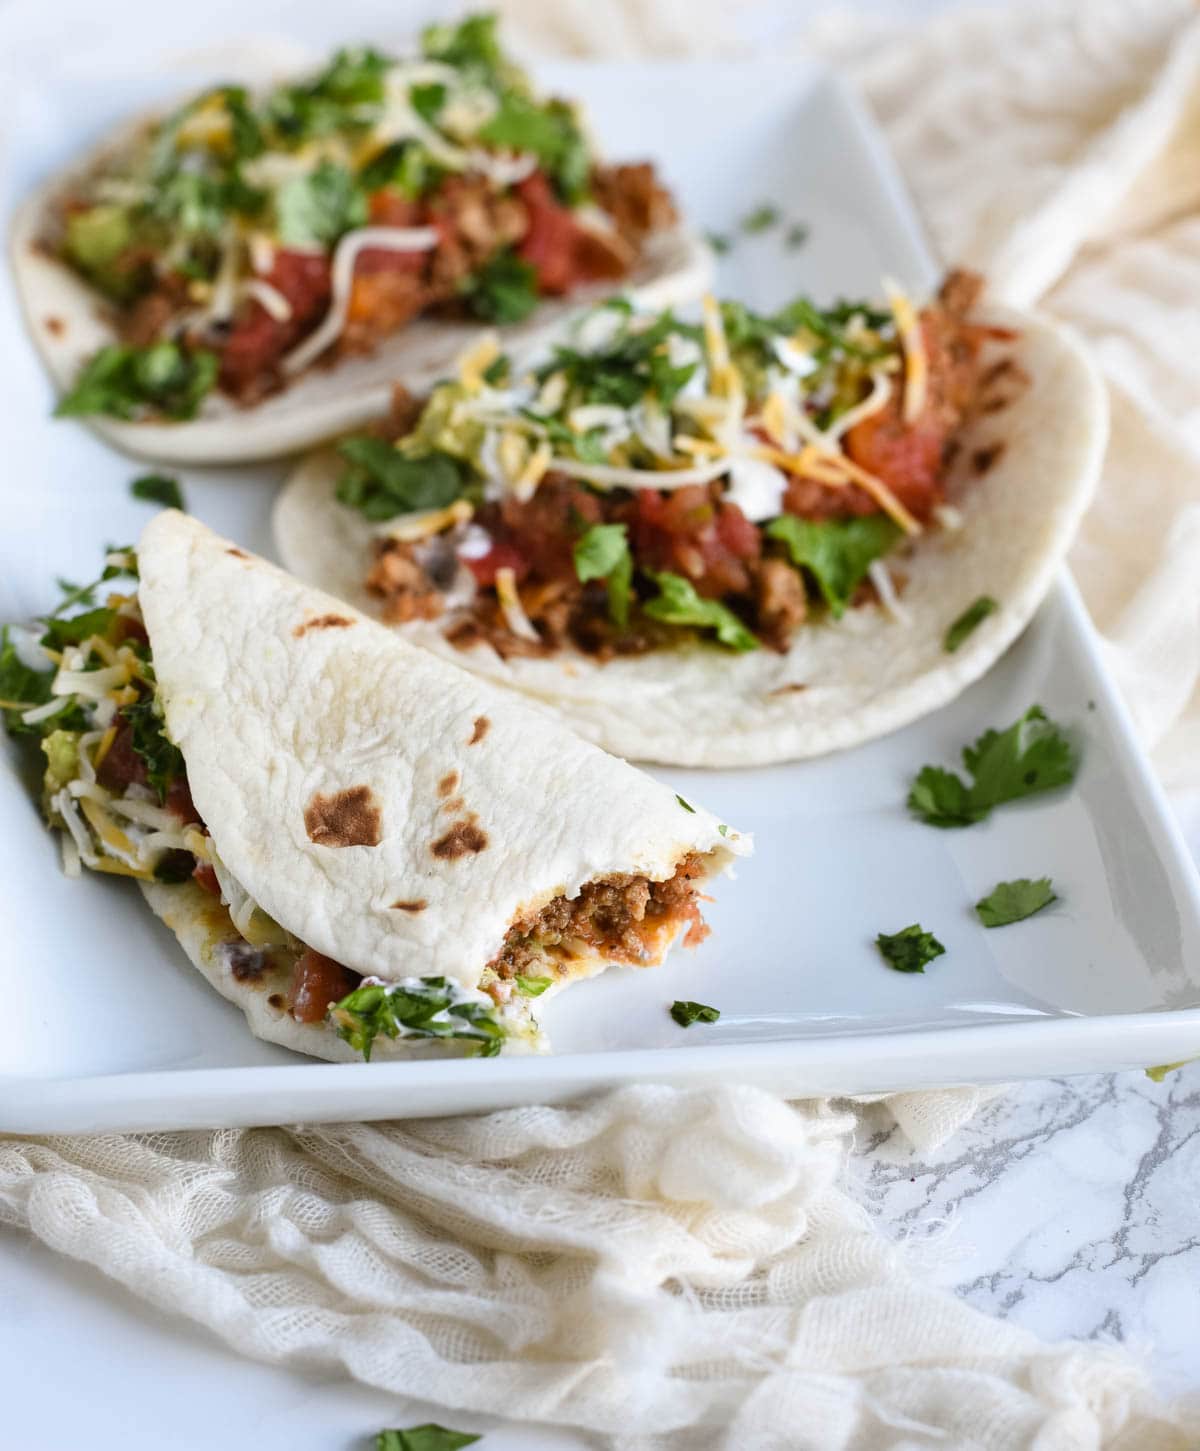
x=394, y=239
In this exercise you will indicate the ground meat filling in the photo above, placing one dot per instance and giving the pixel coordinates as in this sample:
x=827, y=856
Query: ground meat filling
x=622, y=917
x=475, y=221
x=696, y=531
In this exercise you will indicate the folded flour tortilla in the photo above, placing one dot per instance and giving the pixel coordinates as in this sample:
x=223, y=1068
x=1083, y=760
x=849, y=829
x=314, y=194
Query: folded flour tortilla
x=389, y=811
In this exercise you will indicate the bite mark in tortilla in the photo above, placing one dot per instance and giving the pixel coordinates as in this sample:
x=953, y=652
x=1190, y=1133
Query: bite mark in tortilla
x=323, y=622
x=463, y=839
x=482, y=726
x=417, y=905
x=448, y=782
x=347, y=818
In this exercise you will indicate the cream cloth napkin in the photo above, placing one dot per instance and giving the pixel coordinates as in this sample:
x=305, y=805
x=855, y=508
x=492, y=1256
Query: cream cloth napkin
x=682, y=1269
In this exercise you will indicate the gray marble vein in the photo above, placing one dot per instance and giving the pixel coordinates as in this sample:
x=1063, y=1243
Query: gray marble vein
x=1070, y=1206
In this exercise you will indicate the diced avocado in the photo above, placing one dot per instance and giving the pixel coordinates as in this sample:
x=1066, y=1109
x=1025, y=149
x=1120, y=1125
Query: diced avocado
x=62, y=759
x=96, y=238
x=442, y=427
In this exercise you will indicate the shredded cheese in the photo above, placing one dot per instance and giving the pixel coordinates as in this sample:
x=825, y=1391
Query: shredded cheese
x=511, y=607
x=525, y=484
x=612, y=476
x=881, y=391
x=412, y=527
x=885, y=586
x=273, y=302
x=477, y=359
x=395, y=239
x=916, y=364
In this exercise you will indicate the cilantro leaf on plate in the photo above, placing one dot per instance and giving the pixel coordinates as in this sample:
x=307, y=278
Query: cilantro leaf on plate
x=966, y=624
x=1032, y=755
x=678, y=604
x=762, y=217
x=910, y=949
x=687, y=1013
x=836, y=552
x=429, y=1437
x=158, y=489
x=602, y=552
x=1014, y=901
x=382, y=482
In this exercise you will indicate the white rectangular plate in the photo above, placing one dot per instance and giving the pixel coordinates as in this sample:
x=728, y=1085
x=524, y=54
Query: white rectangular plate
x=106, y=1026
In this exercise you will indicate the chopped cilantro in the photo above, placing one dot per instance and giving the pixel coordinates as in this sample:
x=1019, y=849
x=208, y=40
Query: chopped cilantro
x=602, y=552
x=164, y=760
x=910, y=949
x=382, y=482
x=428, y=100
x=318, y=207
x=533, y=987
x=797, y=235
x=74, y=629
x=1032, y=755
x=429, y=1437
x=550, y=131
x=471, y=44
x=504, y=290
x=687, y=1013
x=158, y=489
x=406, y=165
x=125, y=381
x=425, y=1008
x=836, y=552
x=761, y=218
x=21, y=687
x=678, y=604
x=1014, y=901
x=719, y=242
x=634, y=363
x=687, y=805
x=723, y=829
x=346, y=95
x=968, y=621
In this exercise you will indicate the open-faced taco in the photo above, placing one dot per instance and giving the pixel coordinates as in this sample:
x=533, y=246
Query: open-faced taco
x=248, y=274
x=724, y=542
x=356, y=843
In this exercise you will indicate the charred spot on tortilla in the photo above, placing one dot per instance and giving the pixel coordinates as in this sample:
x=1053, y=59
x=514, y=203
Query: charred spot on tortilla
x=463, y=839
x=790, y=689
x=237, y=553
x=447, y=784
x=453, y=808
x=55, y=326
x=276, y=1001
x=482, y=726
x=347, y=818
x=983, y=458
x=246, y=963
x=417, y=905
x=323, y=622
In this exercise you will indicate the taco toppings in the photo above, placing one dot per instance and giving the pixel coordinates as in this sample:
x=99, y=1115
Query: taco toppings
x=656, y=481
x=117, y=789
x=245, y=237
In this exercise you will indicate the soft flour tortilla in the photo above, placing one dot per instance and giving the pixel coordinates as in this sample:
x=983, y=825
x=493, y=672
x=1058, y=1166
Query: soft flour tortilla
x=844, y=681
x=388, y=809
x=201, y=925
x=69, y=322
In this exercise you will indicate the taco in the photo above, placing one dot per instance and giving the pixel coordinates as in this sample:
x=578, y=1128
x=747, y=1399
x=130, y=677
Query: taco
x=248, y=274
x=356, y=843
x=727, y=542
